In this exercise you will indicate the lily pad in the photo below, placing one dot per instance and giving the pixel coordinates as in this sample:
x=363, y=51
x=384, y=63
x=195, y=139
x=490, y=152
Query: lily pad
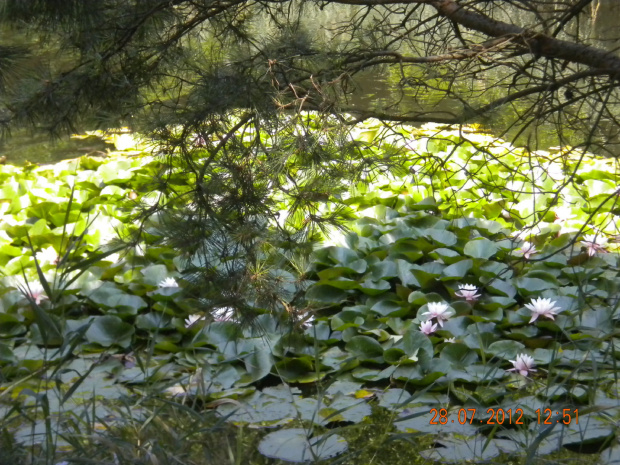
x=295, y=445
x=110, y=330
x=476, y=449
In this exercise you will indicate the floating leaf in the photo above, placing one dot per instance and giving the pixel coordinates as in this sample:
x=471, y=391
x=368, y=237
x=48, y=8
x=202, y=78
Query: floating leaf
x=529, y=286
x=459, y=355
x=587, y=430
x=501, y=287
x=263, y=411
x=427, y=419
x=414, y=341
x=365, y=348
x=110, y=330
x=507, y=350
x=457, y=270
x=342, y=255
x=390, y=308
x=347, y=409
x=442, y=237
x=295, y=445
x=456, y=450
x=480, y=248
x=326, y=294
x=374, y=287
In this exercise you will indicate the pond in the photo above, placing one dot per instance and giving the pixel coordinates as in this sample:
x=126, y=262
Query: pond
x=367, y=352
x=381, y=89
x=38, y=147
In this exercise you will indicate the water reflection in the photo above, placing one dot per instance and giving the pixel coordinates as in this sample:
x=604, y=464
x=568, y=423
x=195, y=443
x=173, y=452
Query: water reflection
x=393, y=93
x=596, y=26
x=38, y=147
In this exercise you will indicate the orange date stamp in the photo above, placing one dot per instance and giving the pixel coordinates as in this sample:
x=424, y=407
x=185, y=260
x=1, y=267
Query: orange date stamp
x=498, y=416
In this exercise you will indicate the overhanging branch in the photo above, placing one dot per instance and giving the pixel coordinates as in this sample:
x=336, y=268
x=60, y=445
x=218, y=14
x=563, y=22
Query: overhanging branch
x=537, y=43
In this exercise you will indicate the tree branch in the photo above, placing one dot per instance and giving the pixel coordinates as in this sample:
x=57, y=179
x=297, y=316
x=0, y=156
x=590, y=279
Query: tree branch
x=539, y=44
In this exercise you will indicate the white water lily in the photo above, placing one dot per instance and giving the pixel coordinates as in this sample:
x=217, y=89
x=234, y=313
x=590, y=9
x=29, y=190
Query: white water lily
x=527, y=250
x=468, y=292
x=524, y=364
x=427, y=327
x=450, y=340
x=223, y=314
x=192, y=319
x=47, y=256
x=542, y=307
x=594, y=243
x=112, y=258
x=555, y=171
x=439, y=311
x=563, y=214
x=308, y=320
x=168, y=282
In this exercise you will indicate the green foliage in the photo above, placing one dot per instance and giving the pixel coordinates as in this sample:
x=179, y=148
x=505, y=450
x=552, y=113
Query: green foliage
x=357, y=304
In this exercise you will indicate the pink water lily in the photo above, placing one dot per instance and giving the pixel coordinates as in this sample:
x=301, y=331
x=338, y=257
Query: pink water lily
x=468, y=292
x=594, y=243
x=527, y=250
x=542, y=307
x=36, y=291
x=427, y=327
x=524, y=364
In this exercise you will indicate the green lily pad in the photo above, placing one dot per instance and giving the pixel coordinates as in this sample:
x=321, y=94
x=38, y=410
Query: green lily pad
x=365, y=348
x=110, y=330
x=476, y=449
x=457, y=271
x=296, y=445
x=480, y=248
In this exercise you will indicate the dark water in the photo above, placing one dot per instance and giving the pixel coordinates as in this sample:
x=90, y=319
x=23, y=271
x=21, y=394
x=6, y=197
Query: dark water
x=599, y=25
x=38, y=147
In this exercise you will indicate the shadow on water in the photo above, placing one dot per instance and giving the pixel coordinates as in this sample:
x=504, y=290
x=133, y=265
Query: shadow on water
x=385, y=91
x=37, y=147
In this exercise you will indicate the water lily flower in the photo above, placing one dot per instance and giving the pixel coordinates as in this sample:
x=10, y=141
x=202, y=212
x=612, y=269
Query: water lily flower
x=594, y=243
x=192, y=319
x=113, y=258
x=36, y=292
x=168, y=282
x=47, y=256
x=427, y=327
x=542, y=307
x=468, y=292
x=563, y=214
x=438, y=310
x=308, y=320
x=555, y=171
x=450, y=340
x=108, y=236
x=524, y=364
x=223, y=314
x=527, y=249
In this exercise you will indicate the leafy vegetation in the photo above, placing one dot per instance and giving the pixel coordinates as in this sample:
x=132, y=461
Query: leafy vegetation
x=473, y=276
